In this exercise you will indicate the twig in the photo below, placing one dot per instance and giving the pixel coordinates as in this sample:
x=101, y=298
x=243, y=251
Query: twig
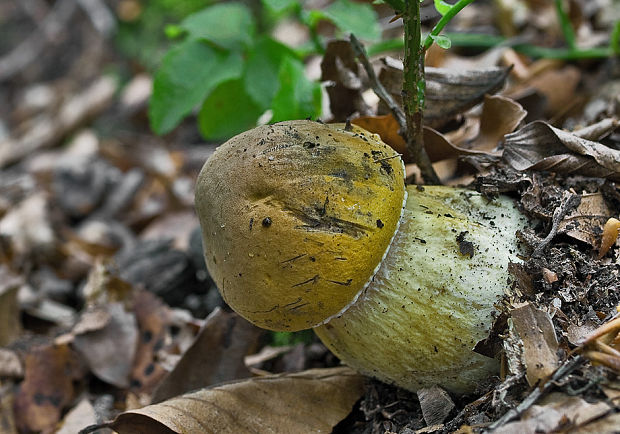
x=28, y=51
x=49, y=130
x=558, y=215
x=100, y=15
x=381, y=92
x=568, y=367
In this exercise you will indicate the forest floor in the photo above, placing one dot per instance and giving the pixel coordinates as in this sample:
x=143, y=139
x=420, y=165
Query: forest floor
x=106, y=305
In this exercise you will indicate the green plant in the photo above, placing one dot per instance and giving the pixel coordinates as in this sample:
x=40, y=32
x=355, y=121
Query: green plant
x=227, y=64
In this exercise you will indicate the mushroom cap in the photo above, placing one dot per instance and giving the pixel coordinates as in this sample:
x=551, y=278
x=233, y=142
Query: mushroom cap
x=296, y=218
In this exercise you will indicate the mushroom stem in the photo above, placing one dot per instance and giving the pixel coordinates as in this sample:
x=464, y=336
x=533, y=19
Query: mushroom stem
x=433, y=298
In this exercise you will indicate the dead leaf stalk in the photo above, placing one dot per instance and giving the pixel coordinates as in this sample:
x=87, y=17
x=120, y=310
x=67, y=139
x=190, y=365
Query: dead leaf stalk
x=377, y=87
x=566, y=368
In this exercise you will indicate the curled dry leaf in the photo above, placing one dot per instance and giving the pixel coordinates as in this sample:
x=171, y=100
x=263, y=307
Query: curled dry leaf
x=153, y=318
x=217, y=355
x=100, y=347
x=48, y=387
x=540, y=344
x=340, y=67
x=448, y=91
x=558, y=412
x=305, y=402
x=539, y=146
x=585, y=223
x=500, y=116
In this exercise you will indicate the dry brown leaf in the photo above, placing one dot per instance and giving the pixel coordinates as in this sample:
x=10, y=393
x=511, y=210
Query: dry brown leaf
x=606, y=425
x=217, y=355
x=27, y=226
x=80, y=416
x=585, y=223
x=109, y=351
x=10, y=325
x=153, y=318
x=305, y=402
x=539, y=146
x=448, y=91
x=557, y=411
x=540, y=344
x=436, y=405
x=387, y=127
x=47, y=387
x=7, y=415
x=500, y=116
x=10, y=364
x=340, y=67
x=558, y=85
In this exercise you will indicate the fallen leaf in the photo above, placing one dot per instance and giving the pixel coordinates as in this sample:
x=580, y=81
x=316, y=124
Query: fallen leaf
x=386, y=126
x=556, y=411
x=217, y=355
x=540, y=344
x=153, y=318
x=7, y=415
x=539, y=146
x=10, y=325
x=100, y=348
x=80, y=416
x=606, y=425
x=585, y=223
x=50, y=372
x=558, y=85
x=27, y=226
x=500, y=116
x=436, y=405
x=340, y=68
x=304, y=402
x=10, y=364
x=448, y=91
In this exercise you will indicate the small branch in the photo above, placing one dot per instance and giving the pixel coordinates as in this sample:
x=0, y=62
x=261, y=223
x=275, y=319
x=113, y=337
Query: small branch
x=30, y=49
x=568, y=367
x=478, y=40
x=445, y=20
x=381, y=91
x=567, y=205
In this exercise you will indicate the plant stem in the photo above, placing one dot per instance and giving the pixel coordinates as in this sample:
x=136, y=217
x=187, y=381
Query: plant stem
x=413, y=91
x=445, y=20
x=565, y=25
x=476, y=40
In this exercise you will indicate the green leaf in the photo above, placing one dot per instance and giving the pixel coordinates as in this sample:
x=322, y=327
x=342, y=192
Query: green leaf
x=186, y=76
x=173, y=31
x=263, y=68
x=615, y=38
x=297, y=97
x=279, y=6
x=227, y=111
x=442, y=7
x=228, y=25
x=357, y=18
x=441, y=40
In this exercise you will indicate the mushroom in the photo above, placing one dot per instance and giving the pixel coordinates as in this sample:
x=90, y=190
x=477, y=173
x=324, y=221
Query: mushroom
x=308, y=225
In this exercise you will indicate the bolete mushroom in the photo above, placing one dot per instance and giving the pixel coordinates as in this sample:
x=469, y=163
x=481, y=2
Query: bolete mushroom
x=307, y=225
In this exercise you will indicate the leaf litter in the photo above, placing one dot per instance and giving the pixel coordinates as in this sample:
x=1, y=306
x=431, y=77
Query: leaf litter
x=105, y=289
